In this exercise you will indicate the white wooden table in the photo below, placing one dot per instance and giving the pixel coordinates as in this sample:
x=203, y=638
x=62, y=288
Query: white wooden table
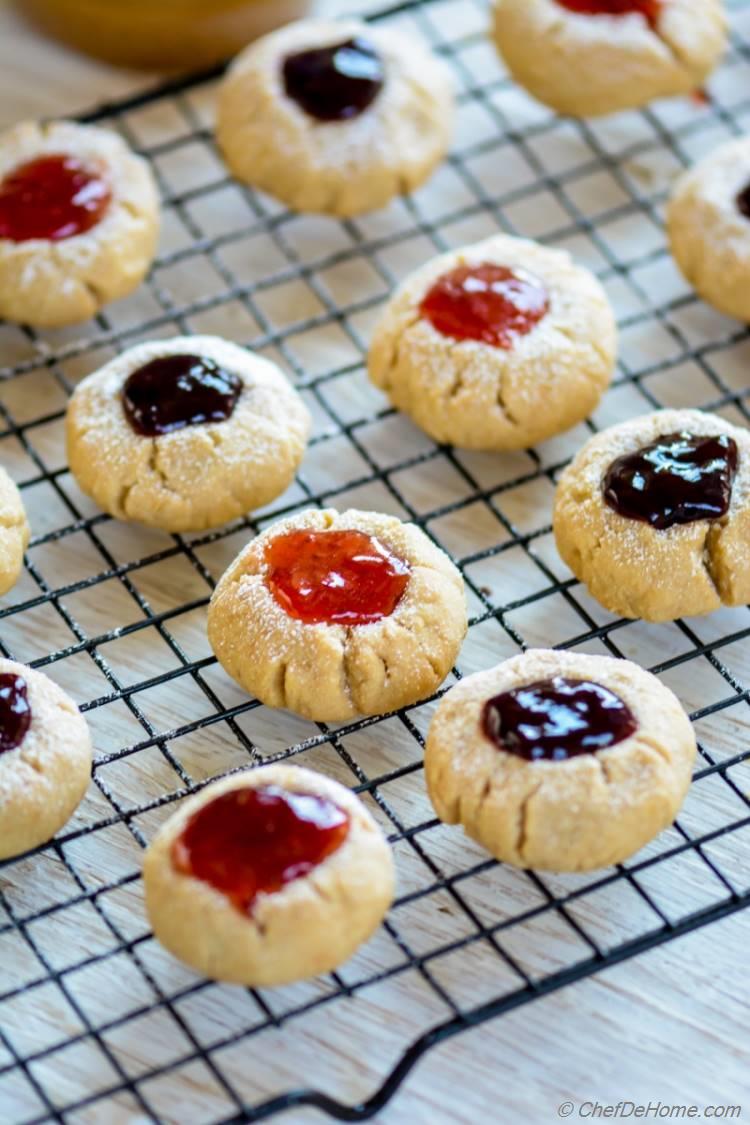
x=671, y=1026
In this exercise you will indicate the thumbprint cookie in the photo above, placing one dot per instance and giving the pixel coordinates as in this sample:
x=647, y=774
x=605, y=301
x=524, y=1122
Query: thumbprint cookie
x=496, y=346
x=268, y=877
x=335, y=615
x=653, y=515
x=335, y=117
x=14, y=532
x=560, y=761
x=79, y=222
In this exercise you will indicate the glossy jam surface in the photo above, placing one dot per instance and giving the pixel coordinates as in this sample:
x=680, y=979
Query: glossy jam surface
x=15, y=711
x=251, y=842
x=678, y=479
x=650, y=9
x=335, y=83
x=743, y=202
x=553, y=720
x=52, y=197
x=176, y=391
x=334, y=577
x=489, y=303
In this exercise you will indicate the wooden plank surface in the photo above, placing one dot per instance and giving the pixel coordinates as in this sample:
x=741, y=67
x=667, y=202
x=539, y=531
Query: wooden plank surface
x=670, y=1027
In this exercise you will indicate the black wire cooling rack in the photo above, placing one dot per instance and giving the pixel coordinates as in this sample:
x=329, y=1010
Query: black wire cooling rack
x=93, y=1016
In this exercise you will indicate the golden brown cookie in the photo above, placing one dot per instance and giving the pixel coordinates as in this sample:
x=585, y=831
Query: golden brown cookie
x=560, y=761
x=45, y=758
x=653, y=515
x=335, y=117
x=708, y=221
x=496, y=346
x=588, y=63
x=185, y=434
x=79, y=221
x=268, y=877
x=334, y=615
x=14, y=532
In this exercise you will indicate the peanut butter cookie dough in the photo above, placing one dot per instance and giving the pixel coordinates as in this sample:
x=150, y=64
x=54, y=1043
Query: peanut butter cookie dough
x=708, y=221
x=268, y=877
x=45, y=758
x=592, y=57
x=653, y=515
x=185, y=434
x=496, y=346
x=335, y=117
x=14, y=532
x=560, y=761
x=334, y=615
x=79, y=221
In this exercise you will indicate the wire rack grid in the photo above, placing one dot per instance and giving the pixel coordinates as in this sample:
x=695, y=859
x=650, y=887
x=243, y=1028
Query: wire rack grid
x=96, y=1020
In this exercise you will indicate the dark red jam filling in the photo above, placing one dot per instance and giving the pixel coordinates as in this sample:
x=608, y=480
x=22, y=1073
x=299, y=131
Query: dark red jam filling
x=678, y=479
x=52, y=197
x=176, y=391
x=15, y=711
x=251, y=842
x=743, y=202
x=489, y=303
x=553, y=720
x=650, y=9
x=334, y=577
x=335, y=83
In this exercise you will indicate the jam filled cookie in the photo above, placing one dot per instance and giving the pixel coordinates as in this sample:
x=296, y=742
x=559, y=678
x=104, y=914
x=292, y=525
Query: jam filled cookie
x=653, y=515
x=334, y=615
x=79, y=221
x=497, y=346
x=560, y=761
x=708, y=220
x=268, y=877
x=335, y=117
x=14, y=532
x=45, y=758
x=185, y=434
x=590, y=57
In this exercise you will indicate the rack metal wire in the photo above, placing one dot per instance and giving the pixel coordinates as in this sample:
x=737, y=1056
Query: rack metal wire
x=93, y=1016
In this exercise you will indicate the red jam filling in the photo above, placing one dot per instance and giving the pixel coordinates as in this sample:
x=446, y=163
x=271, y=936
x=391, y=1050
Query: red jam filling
x=553, y=720
x=52, y=197
x=489, y=303
x=251, y=842
x=650, y=9
x=334, y=577
x=15, y=711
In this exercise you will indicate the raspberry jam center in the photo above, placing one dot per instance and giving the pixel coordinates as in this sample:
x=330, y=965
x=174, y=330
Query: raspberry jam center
x=15, y=711
x=556, y=719
x=250, y=842
x=53, y=197
x=334, y=577
x=489, y=303
x=650, y=9
x=176, y=391
x=335, y=83
x=678, y=479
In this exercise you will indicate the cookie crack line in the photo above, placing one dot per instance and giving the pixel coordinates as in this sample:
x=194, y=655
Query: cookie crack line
x=522, y=837
x=708, y=555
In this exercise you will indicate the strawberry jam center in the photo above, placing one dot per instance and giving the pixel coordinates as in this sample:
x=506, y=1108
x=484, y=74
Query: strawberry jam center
x=489, y=303
x=553, y=720
x=15, y=711
x=334, y=577
x=650, y=9
x=53, y=197
x=251, y=842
